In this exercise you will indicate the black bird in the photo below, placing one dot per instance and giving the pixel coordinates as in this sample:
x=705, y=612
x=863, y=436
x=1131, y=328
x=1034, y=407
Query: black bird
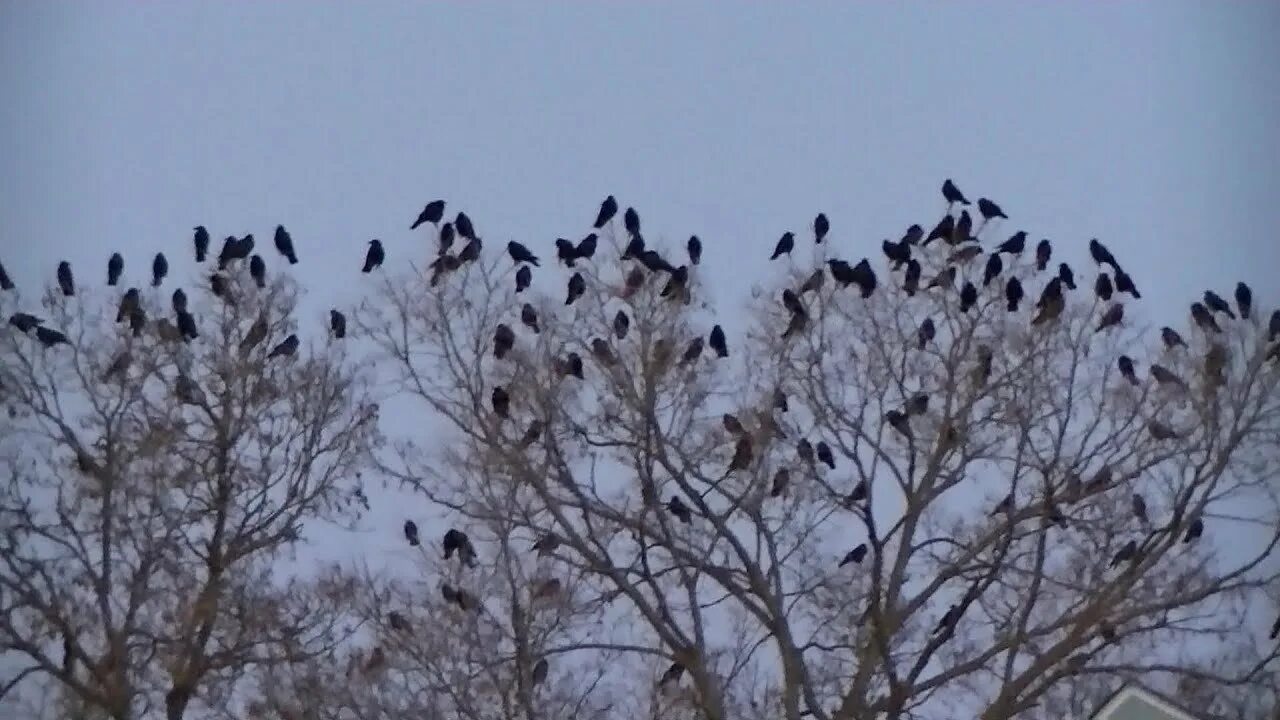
x=1112, y=317
x=821, y=226
x=286, y=348
x=926, y=332
x=855, y=555
x=129, y=303
x=201, y=241
x=952, y=193
x=717, y=342
x=1171, y=338
x=524, y=276
x=968, y=296
x=1015, y=244
x=24, y=322
x=573, y=365
x=179, y=301
x=258, y=270
x=284, y=245
x=992, y=270
x=1067, y=277
x=631, y=220
x=159, y=269
x=899, y=421
x=501, y=401
x=456, y=541
x=963, y=231
x=411, y=533
x=989, y=210
x=635, y=247
x=1244, y=300
x=1102, y=255
x=911, y=280
x=1273, y=326
x=913, y=235
x=432, y=213
x=949, y=618
x=65, y=281
x=899, y=254
x=230, y=251
x=654, y=261
x=586, y=248
x=471, y=251
x=5, y=282
x=672, y=673
x=785, y=244
x=608, y=209
x=814, y=283
x=337, y=324
x=693, y=351
x=1275, y=630
x=824, y=454
x=529, y=317
x=1044, y=251
x=566, y=252
x=1102, y=287
x=964, y=254
x=1126, y=369
x=695, y=249
x=1194, y=530
x=681, y=511
x=374, y=257
x=1124, y=284
x=865, y=277
x=577, y=287
x=521, y=254
x=446, y=237
x=676, y=283
x=1013, y=293
x=115, y=266
x=1165, y=376
x=463, y=225
x=946, y=277
x=1204, y=319
x=791, y=302
x=621, y=324
x=857, y=495
x=187, y=326
x=504, y=338
x=781, y=481
x=842, y=272
x=1140, y=508
x=741, y=459
x=779, y=399
x=804, y=449
x=49, y=337
x=1126, y=553
x=1052, y=289
x=942, y=231
x=546, y=545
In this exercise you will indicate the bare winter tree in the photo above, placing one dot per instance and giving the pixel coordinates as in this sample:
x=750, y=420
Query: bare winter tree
x=162, y=457
x=950, y=484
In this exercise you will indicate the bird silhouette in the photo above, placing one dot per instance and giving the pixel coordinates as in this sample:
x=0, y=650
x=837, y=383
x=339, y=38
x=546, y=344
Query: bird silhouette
x=963, y=231
x=179, y=300
x=284, y=245
x=785, y=244
x=804, y=450
x=463, y=225
x=471, y=251
x=66, y=282
x=926, y=333
x=717, y=342
x=942, y=231
x=1067, y=277
x=286, y=348
x=337, y=324
x=608, y=209
x=990, y=210
x=952, y=193
x=1013, y=293
x=911, y=279
x=1165, y=376
x=1244, y=300
x=824, y=455
x=1194, y=530
x=24, y=321
x=411, y=533
x=631, y=221
x=159, y=269
x=431, y=213
x=524, y=277
x=821, y=226
x=48, y=337
x=854, y=556
x=1127, y=370
x=899, y=254
x=968, y=296
x=681, y=511
x=1101, y=255
x=566, y=253
x=504, y=338
x=586, y=248
x=521, y=254
x=1044, y=252
x=913, y=235
x=1126, y=553
x=1112, y=317
x=1102, y=287
x=374, y=257
x=529, y=317
x=115, y=266
x=201, y=241
x=992, y=270
x=1171, y=338
x=258, y=270
x=899, y=421
x=693, y=351
x=501, y=401
x=621, y=324
x=694, y=246
x=1124, y=284
x=1015, y=244
x=1204, y=319
x=577, y=287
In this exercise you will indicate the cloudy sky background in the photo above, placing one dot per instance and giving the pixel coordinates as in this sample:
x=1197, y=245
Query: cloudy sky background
x=1150, y=126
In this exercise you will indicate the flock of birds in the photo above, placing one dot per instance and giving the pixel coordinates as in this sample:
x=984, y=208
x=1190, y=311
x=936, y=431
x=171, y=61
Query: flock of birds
x=957, y=231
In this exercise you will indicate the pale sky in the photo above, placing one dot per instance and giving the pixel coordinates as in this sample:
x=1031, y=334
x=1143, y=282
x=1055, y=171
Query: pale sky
x=1151, y=126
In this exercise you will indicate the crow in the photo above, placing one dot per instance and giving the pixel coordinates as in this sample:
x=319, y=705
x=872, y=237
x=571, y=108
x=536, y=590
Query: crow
x=566, y=253
x=992, y=270
x=586, y=248
x=855, y=555
x=524, y=277
x=926, y=332
x=521, y=254
x=456, y=541
x=1044, y=251
x=784, y=246
x=1067, y=277
x=187, y=326
x=695, y=249
x=681, y=511
x=284, y=245
x=159, y=269
x=968, y=296
x=504, y=338
x=1171, y=338
x=942, y=231
x=546, y=545
x=1101, y=255
x=337, y=324
x=963, y=231
x=258, y=270
x=1102, y=287
x=634, y=249
x=814, y=282
x=1204, y=319
x=693, y=351
x=913, y=235
x=49, y=337
x=1126, y=553
x=631, y=221
x=1126, y=369
x=179, y=301
x=621, y=324
x=781, y=481
x=463, y=225
x=1112, y=317
x=115, y=266
x=501, y=401
x=286, y=348
x=1140, y=508
x=654, y=261
x=1013, y=293
x=608, y=209
x=865, y=277
x=529, y=317
x=717, y=342
x=201, y=242
x=411, y=533
x=24, y=322
x=431, y=213
x=820, y=228
x=1165, y=376
x=573, y=365
x=66, y=282
x=577, y=287
x=1244, y=300
x=1124, y=284
x=129, y=303
x=824, y=454
x=1015, y=244
x=899, y=254
x=952, y=193
x=1194, y=530
x=804, y=449
x=471, y=251
x=374, y=257
x=911, y=279
x=899, y=421
x=989, y=210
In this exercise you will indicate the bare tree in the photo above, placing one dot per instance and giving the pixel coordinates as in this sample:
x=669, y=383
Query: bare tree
x=900, y=491
x=161, y=460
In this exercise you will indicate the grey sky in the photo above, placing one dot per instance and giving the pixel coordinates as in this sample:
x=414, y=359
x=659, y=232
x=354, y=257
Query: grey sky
x=1150, y=126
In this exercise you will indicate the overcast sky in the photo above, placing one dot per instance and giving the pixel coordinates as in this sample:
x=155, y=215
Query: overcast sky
x=1148, y=125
